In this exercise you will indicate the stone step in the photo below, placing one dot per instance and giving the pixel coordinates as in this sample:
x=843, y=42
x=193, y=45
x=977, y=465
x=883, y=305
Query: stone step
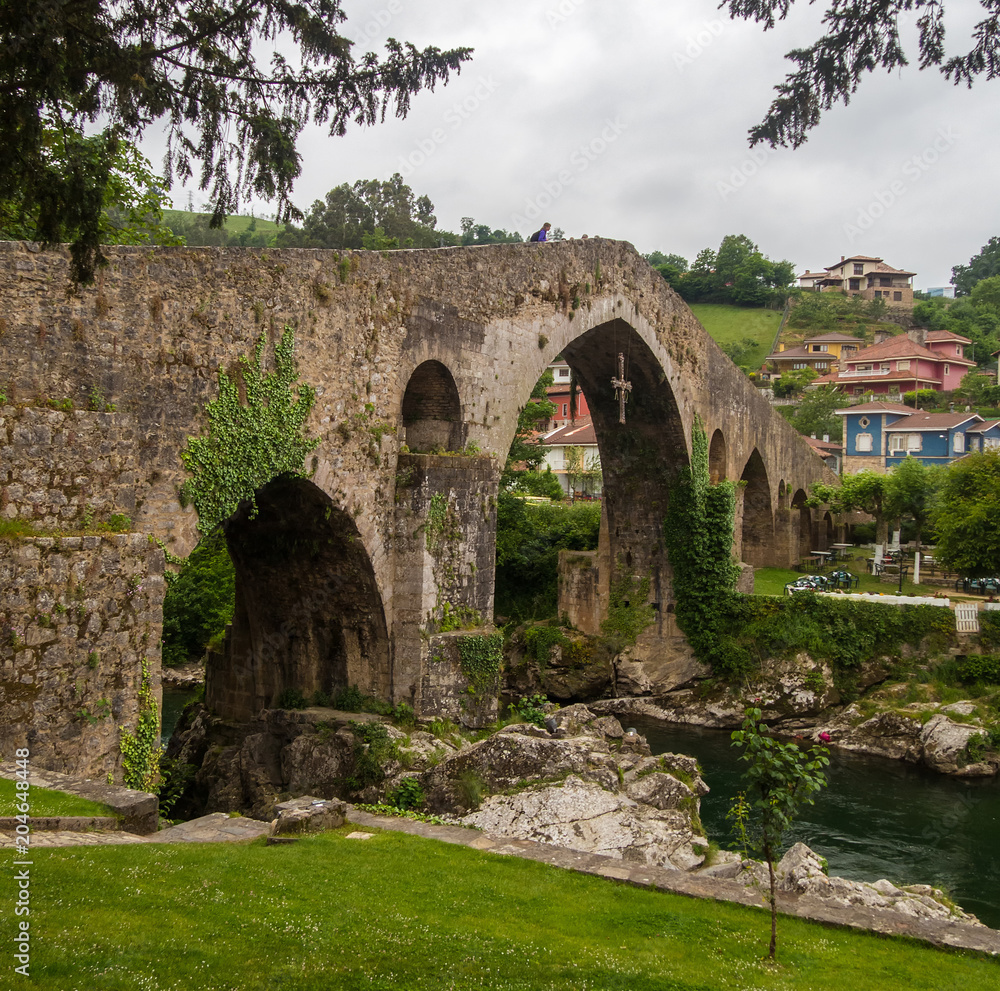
x=75, y=824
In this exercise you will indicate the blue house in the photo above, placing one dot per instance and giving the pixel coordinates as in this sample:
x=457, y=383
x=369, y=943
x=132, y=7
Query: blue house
x=878, y=435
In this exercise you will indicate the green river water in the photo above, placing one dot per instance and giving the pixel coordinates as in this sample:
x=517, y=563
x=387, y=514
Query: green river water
x=876, y=818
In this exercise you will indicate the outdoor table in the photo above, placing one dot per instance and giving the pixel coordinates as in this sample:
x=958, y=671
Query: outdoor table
x=841, y=550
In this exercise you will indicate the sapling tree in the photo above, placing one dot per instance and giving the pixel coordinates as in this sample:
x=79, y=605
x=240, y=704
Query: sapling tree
x=779, y=778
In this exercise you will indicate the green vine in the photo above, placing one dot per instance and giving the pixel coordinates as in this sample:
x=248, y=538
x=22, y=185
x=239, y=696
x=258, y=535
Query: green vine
x=249, y=442
x=441, y=526
x=629, y=612
x=698, y=531
x=141, y=751
x=481, y=657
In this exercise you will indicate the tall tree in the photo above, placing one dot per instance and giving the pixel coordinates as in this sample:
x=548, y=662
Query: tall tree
x=910, y=493
x=861, y=36
x=233, y=110
x=349, y=212
x=966, y=516
x=866, y=491
x=981, y=266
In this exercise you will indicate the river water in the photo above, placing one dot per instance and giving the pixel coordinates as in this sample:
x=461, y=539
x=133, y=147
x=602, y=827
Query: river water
x=876, y=818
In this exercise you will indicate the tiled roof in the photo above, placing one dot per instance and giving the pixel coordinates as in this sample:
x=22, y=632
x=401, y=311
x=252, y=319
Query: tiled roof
x=834, y=336
x=980, y=428
x=882, y=267
x=581, y=432
x=895, y=347
x=876, y=407
x=854, y=258
x=946, y=335
x=935, y=421
x=824, y=447
x=799, y=352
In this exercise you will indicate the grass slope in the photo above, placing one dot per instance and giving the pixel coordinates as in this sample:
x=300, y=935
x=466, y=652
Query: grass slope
x=45, y=802
x=731, y=324
x=400, y=912
x=233, y=225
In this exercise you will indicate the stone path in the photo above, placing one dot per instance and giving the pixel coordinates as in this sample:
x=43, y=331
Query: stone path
x=222, y=828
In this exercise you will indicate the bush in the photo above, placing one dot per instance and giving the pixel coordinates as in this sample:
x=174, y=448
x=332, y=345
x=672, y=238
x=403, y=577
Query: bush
x=290, y=698
x=199, y=602
x=373, y=749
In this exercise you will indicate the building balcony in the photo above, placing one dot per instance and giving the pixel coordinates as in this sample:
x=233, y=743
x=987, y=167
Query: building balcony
x=853, y=374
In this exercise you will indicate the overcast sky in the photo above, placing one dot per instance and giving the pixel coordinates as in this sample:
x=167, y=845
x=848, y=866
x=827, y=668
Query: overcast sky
x=628, y=119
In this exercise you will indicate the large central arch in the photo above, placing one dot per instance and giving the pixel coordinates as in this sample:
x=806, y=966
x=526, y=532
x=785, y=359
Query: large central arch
x=640, y=458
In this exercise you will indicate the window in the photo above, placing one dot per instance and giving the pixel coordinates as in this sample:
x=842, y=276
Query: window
x=863, y=422
x=958, y=349
x=885, y=280
x=796, y=365
x=847, y=348
x=854, y=283
x=959, y=443
x=819, y=347
x=947, y=369
x=897, y=297
x=859, y=269
x=859, y=390
x=821, y=364
x=562, y=373
x=905, y=442
x=878, y=294
x=863, y=443
x=565, y=409
x=902, y=366
x=864, y=368
x=991, y=443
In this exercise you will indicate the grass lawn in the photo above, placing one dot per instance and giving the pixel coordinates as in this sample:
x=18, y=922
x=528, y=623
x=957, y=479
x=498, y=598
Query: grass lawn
x=772, y=581
x=400, y=912
x=45, y=802
x=729, y=324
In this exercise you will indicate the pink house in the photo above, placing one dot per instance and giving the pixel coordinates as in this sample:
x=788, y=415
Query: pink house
x=900, y=365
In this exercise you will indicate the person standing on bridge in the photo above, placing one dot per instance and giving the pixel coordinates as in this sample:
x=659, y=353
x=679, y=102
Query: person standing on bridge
x=542, y=234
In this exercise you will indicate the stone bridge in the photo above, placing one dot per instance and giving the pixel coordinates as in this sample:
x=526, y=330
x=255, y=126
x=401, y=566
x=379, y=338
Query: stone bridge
x=421, y=361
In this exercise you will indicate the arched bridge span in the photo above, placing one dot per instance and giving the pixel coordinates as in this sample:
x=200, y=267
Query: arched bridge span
x=421, y=361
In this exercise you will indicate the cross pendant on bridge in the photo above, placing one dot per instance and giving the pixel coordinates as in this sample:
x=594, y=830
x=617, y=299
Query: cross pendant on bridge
x=622, y=388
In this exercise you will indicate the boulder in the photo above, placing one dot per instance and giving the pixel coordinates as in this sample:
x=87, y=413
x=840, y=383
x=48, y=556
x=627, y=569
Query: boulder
x=944, y=742
x=586, y=785
x=581, y=815
x=654, y=666
x=304, y=815
x=803, y=872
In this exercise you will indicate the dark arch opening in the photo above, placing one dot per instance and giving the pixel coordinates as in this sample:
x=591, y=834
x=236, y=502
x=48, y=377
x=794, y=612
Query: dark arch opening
x=640, y=458
x=717, y=457
x=758, y=520
x=828, y=530
x=309, y=615
x=432, y=412
x=805, y=524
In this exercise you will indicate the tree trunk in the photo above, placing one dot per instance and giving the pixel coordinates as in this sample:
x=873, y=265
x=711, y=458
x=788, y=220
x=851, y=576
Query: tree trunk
x=774, y=906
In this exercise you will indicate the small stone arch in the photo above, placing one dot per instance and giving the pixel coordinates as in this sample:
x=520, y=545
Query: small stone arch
x=758, y=519
x=432, y=411
x=309, y=615
x=717, y=458
x=805, y=524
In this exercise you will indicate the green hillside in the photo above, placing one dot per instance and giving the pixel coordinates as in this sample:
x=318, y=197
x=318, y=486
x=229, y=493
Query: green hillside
x=734, y=327
x=233, y=225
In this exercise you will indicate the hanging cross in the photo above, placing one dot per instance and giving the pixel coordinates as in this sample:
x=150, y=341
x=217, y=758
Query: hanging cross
x=622, y=388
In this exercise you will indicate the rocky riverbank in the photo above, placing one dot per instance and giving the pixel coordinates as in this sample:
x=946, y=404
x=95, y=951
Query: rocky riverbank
x=581, y=783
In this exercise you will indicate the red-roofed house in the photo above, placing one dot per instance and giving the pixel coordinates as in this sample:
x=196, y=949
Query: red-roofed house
x=899, y=365
x=866, y=276
x=573, y=452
